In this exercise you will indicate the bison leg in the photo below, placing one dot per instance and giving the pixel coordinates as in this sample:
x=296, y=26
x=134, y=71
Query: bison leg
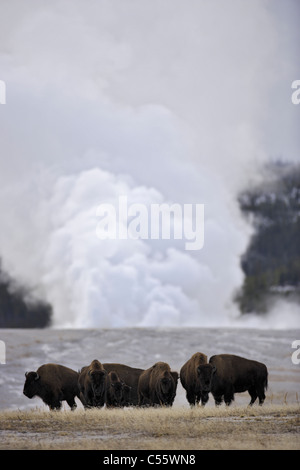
x=252, y=401
x=87, y=403
x=261, y=399
x=253, y=395
x=53, y=401
x=154, y=399
x=218, y=400
x=261, y=396
x=83, y=400
x=55, y=406
x=228, y=394
x=191, y=398
x=228, y=399
x=71, y=402
x=141, y=399
x=204, y=398
x=198, y=398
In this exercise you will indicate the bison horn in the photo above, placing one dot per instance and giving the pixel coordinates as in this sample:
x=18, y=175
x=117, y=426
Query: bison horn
x=26, y=373
x=37, y=376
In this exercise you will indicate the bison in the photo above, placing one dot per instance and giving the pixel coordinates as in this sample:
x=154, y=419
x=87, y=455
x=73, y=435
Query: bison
x=126, y=397
x=92, y=385
x=53, y=383
x=130, y=377
x=189, y=379
x=114, y=390
x=227, y=374
x=157, y=385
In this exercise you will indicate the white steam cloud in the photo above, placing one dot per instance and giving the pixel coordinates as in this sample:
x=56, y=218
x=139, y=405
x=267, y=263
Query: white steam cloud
x=161, y=101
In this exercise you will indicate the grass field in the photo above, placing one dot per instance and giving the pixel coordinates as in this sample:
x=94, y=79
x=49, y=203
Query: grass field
x=267, y=427
x=27, y=424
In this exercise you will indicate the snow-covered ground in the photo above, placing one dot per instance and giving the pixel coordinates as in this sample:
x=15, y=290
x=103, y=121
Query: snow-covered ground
x=27, y=349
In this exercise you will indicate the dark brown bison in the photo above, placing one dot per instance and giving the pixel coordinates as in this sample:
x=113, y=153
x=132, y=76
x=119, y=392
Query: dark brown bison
x=114, y=390
x=129, y=376
x=157, y=385
x=227, y=374
x=189, y=379
x=126, y=397
x=53, y=383
x=92, y=384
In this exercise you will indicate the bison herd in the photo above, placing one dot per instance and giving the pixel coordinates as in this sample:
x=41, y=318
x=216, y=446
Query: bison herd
x=119, y=385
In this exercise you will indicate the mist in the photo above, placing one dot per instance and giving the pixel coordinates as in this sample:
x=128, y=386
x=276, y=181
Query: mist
x=162, y=102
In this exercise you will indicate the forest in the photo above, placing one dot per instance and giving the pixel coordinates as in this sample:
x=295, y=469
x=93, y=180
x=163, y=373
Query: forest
x=18, y=310
x=271, y=263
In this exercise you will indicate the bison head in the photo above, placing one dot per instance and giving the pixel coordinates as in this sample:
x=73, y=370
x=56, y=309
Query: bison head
x=205, y=375
x=117, y=391
x=98, y=382
x=166, y=385
x=126, y=394
x=31, y=386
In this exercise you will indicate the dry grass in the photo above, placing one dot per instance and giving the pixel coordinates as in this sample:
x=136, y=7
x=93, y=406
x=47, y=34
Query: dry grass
x=268, y=427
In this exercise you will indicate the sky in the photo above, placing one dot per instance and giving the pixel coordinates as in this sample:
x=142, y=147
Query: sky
x=164, y=102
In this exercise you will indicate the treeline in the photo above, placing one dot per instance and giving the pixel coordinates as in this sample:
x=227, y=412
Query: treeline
x=272, y=261
x=17, y=311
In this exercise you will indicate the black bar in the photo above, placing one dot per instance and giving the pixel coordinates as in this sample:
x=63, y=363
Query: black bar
x=151, y=458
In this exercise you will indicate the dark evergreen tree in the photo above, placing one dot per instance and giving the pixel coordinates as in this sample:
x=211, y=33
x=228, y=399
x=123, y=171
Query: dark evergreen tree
x=18, y=310
x=272, y=261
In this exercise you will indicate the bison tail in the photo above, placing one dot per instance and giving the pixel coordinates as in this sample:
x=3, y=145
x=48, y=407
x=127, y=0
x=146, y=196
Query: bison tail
x=265, y=379
x=266, y=383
